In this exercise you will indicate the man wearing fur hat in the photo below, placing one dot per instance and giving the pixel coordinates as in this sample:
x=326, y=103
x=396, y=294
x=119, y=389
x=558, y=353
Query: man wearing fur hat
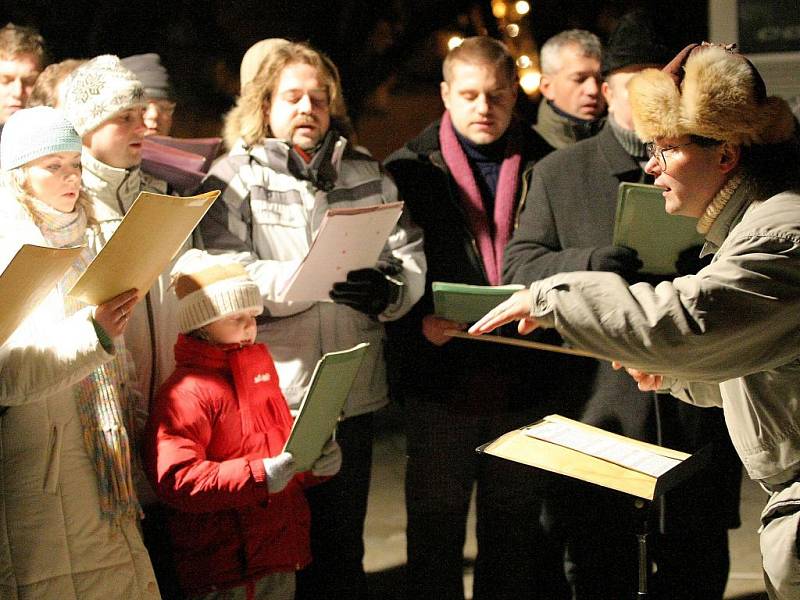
x=567, y=225
x=726, y=154
x=289, y=164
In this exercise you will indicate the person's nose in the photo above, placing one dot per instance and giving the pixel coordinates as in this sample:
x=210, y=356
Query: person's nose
x=151, y=115
x=653, y=167
x=139, y=124
x=17, y=88
x=482, y=104
x=304, y=104
x=591, y=87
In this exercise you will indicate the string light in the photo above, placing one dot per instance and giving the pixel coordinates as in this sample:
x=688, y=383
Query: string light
x=454, y=42
x=513, y=18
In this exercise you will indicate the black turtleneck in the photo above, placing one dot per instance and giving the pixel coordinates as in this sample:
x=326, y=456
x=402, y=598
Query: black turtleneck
x=485, y=160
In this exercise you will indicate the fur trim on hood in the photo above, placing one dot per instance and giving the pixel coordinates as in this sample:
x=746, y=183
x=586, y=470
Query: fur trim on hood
x=720, y=96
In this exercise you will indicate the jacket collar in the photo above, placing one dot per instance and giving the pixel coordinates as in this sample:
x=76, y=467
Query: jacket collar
x=561, y=131
x=729, y=216
x=617, y=160
x=279, y=156
x=115, y=189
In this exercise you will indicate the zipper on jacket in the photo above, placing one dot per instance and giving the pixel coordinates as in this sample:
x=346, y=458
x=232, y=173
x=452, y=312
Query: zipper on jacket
x=151, y=325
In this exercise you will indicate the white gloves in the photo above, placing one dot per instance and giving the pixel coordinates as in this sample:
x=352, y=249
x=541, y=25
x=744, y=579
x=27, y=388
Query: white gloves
x=280, y=470
x=329, y=462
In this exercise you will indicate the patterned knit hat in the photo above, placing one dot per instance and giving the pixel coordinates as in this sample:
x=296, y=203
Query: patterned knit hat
x=211, y=287
x=98, y=90
x=34, y=132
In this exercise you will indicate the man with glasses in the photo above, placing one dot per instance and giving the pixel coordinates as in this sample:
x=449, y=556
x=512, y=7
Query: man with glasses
x=568, y=226
x=158, y=94
x=288, y=166
x=728, y=155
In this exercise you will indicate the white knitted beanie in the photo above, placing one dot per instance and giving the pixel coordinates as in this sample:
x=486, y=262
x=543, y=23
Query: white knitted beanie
x=209, y=288
x=98, y=90
x=34, y=132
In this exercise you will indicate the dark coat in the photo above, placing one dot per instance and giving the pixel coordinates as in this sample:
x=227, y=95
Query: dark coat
x=472, y=376
x=570, y=212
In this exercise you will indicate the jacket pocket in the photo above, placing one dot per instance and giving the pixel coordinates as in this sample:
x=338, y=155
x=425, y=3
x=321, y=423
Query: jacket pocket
x=53, y=470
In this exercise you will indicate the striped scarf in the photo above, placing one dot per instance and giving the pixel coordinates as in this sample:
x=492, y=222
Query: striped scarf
x=104, y=405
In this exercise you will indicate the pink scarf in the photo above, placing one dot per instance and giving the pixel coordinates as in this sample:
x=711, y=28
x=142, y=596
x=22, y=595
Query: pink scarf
x=490, y=247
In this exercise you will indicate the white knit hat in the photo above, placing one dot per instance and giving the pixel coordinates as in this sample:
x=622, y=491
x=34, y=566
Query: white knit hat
x=211, y=287
x=98, y=90
x=34, y=132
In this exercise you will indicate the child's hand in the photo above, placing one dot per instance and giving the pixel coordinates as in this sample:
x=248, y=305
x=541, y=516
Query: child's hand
x=280, y=470
x=329, y=462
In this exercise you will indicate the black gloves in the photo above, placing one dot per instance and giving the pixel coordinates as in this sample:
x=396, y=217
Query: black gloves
x=689, y=261
x=369, y=291
x=616, y=259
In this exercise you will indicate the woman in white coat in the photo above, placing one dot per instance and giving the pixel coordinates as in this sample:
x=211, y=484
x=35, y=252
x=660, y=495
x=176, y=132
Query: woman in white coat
x=68, y=510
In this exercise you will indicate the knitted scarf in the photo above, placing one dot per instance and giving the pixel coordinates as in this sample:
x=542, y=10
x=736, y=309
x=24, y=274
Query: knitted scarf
x=262, y=407
x=105, y=408
x=491, y=241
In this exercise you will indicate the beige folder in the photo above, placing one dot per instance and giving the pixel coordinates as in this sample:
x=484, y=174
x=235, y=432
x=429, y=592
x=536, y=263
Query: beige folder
x=27, y=280
x=591, y=454
x=149, y=236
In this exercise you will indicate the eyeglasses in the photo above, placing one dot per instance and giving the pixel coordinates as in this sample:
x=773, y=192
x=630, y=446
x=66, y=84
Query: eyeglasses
x=658, y=152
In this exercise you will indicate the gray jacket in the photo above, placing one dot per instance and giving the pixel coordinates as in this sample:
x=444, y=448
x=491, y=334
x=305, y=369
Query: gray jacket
x=728, y=336
x=267, y=216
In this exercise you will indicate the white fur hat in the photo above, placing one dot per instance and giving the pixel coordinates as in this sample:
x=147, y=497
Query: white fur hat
x=210, y=287
x=709, y=91
x=98, y=90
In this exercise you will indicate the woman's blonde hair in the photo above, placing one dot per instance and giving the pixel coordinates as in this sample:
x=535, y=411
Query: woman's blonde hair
x=16, y=181
x=249, y=119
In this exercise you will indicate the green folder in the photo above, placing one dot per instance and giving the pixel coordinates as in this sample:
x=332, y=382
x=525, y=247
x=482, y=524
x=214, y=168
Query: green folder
x=644, y=225
x=468, y=303
x=323, y=404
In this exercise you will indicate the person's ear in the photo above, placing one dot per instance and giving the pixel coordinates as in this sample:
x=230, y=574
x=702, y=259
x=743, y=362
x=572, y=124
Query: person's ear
x=607, y=92
x=546, y=87
x=444, y=91
x=730, y=155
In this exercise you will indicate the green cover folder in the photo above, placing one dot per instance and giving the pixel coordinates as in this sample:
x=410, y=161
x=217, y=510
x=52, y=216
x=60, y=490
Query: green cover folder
x=323, y=404
x=644, y=225
x=467, y=303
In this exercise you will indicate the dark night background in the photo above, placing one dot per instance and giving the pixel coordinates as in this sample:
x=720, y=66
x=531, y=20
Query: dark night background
x=392, y=48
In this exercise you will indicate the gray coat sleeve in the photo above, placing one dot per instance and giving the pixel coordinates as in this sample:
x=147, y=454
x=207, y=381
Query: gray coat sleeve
x=739, y=315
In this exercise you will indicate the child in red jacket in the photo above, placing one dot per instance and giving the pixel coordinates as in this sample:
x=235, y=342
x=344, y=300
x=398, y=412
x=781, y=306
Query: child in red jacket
x=239, y=518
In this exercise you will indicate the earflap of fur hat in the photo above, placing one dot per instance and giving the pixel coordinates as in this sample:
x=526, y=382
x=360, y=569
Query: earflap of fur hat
x=776, y=122
x=655, y=105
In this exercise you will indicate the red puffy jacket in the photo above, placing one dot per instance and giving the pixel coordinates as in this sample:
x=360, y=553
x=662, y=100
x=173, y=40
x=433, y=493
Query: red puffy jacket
x=214, y=420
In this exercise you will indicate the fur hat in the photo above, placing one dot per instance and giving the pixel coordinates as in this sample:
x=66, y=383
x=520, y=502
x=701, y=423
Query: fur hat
x=34, y=132
x=211, y=287
x=98, y=90
x=154, y=77
x=709, y=91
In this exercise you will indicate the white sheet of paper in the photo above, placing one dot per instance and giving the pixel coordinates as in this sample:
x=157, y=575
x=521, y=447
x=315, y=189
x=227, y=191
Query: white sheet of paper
x=348, y=239
x=626, y=455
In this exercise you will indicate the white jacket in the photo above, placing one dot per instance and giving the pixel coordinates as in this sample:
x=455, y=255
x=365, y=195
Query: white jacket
x=267, y=217
x=54, y=543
